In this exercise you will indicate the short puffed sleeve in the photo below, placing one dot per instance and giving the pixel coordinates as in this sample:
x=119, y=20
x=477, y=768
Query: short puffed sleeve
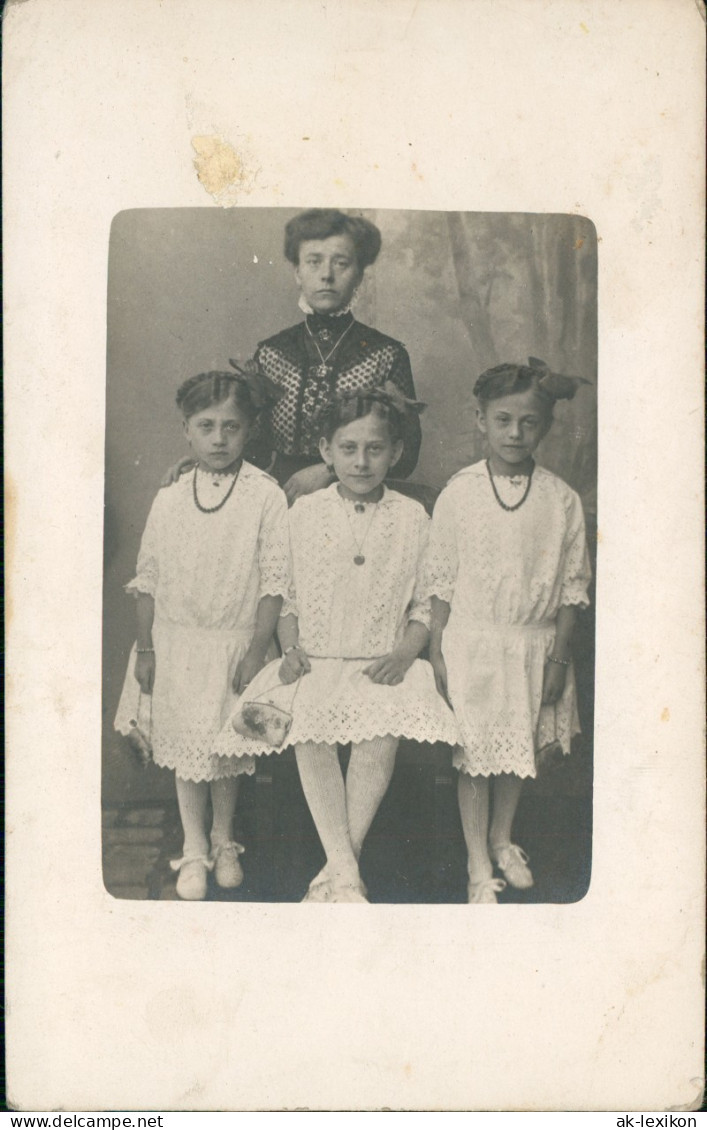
x=576, y=570
x=419, y=609
x=148, y=569
x=274, y=546
x=441, y=560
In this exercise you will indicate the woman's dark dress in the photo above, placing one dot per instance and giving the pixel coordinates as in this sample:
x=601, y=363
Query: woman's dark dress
x=364, y=359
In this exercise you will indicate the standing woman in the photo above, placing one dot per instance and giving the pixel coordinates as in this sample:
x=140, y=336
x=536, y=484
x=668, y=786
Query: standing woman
x=329, y=352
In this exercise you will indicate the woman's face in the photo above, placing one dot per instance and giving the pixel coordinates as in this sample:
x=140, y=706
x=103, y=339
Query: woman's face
x=328, y=272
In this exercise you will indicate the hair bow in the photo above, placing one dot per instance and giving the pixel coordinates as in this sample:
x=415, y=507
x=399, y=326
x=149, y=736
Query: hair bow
x=404, y=404
x=262, y=390
x=556, y=385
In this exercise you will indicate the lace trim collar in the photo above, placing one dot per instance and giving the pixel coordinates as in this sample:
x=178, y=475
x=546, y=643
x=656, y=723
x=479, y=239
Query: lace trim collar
x=480, y=469
x=307, y=309
x=332, y=494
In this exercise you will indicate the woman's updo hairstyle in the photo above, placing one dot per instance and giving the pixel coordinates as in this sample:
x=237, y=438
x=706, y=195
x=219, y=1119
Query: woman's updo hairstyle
x=507, y=379
x=386, y=403
x=321, y=223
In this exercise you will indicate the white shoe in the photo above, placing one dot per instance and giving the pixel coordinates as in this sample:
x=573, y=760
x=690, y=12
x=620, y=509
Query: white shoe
x=347, y=892
x=512, y=861
x=485, y=890
x=320, y=888
x=228, y=872
x=192, y=882
x=321, y=892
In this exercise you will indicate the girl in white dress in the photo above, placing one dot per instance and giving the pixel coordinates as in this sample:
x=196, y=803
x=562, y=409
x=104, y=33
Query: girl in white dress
x=350, y=636
x=506, y=568
x=212, y=572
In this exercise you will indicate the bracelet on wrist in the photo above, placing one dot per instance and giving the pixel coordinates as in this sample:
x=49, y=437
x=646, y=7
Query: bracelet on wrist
x=145, y=650
x=560, y=662
x=292, y=647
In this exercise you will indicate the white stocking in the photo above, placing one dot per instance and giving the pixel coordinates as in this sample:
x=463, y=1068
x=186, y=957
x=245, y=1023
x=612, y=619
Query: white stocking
x=323, y=786
x=224, y=794
x=474, y=810
x=370, y=769
x=506, y=795
x=192, y=798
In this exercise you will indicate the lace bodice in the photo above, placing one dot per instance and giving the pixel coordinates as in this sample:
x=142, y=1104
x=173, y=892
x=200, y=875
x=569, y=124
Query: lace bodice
x=365, y=359
x=507, y=567
x=210, y=570
x=347, y=610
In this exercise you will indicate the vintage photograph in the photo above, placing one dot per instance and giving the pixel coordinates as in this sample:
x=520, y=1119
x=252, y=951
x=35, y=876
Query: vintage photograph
x=356, y=681
x=349, y=556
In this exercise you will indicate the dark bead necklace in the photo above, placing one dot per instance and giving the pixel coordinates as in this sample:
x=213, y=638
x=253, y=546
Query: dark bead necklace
x=526, y=492
x=224, y=500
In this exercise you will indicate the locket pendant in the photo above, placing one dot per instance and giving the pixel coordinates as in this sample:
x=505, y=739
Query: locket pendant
x=359, y=559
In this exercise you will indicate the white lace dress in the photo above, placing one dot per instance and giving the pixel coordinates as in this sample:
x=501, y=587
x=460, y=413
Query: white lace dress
x=349, y=614
x=207, y=573
x=505, y=574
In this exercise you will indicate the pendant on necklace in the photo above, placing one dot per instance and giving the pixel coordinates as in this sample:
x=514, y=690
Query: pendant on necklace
x=322, y=372
x=359, y=559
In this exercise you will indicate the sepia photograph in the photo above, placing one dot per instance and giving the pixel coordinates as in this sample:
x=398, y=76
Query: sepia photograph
x=423, y=329
x=354, y=376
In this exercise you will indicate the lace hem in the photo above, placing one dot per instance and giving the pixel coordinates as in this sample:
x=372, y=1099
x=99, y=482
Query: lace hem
x=274, y=590
x=338, y=727
x=575, y=595
x=145, y=585
x=189, y=772
x=489, y=755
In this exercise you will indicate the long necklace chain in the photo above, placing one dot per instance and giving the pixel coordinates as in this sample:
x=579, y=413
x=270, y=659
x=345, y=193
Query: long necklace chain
x=322, y=369
x=359, y=558
x=224, y=500
x=526, y=492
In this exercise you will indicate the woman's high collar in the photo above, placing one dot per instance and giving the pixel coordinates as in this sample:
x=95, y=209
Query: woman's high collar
x=320, y=321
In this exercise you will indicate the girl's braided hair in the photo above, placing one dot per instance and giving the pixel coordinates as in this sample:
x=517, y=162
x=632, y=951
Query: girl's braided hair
x=250, y=388
x=507, y=379
x=387, y=403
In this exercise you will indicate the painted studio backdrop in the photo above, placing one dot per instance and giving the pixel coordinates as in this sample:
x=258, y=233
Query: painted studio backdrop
x=190, y=288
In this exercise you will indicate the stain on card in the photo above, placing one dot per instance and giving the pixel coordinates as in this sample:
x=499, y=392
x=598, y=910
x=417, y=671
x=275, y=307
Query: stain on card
x=223, y=172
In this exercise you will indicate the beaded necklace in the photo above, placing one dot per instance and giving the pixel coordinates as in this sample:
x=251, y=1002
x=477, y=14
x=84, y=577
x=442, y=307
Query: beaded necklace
x=224, y=500
x=526, y=492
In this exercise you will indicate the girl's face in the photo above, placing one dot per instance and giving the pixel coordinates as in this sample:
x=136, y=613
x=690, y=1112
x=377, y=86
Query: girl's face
x=328, y=272
x=218, y=434
x=513, y=426
x=361, y=454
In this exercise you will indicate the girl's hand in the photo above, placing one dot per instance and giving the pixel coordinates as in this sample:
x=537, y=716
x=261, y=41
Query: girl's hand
x=440, y=672
x=247, y=669
x=307, y=480
x=553, y=683
x=185, y=464
x=389, y=669
x=145, y=671
x=294, y=665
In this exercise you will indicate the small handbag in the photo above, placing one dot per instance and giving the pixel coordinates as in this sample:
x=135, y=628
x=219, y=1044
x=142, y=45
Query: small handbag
x=262, y=719
x=140, y=733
